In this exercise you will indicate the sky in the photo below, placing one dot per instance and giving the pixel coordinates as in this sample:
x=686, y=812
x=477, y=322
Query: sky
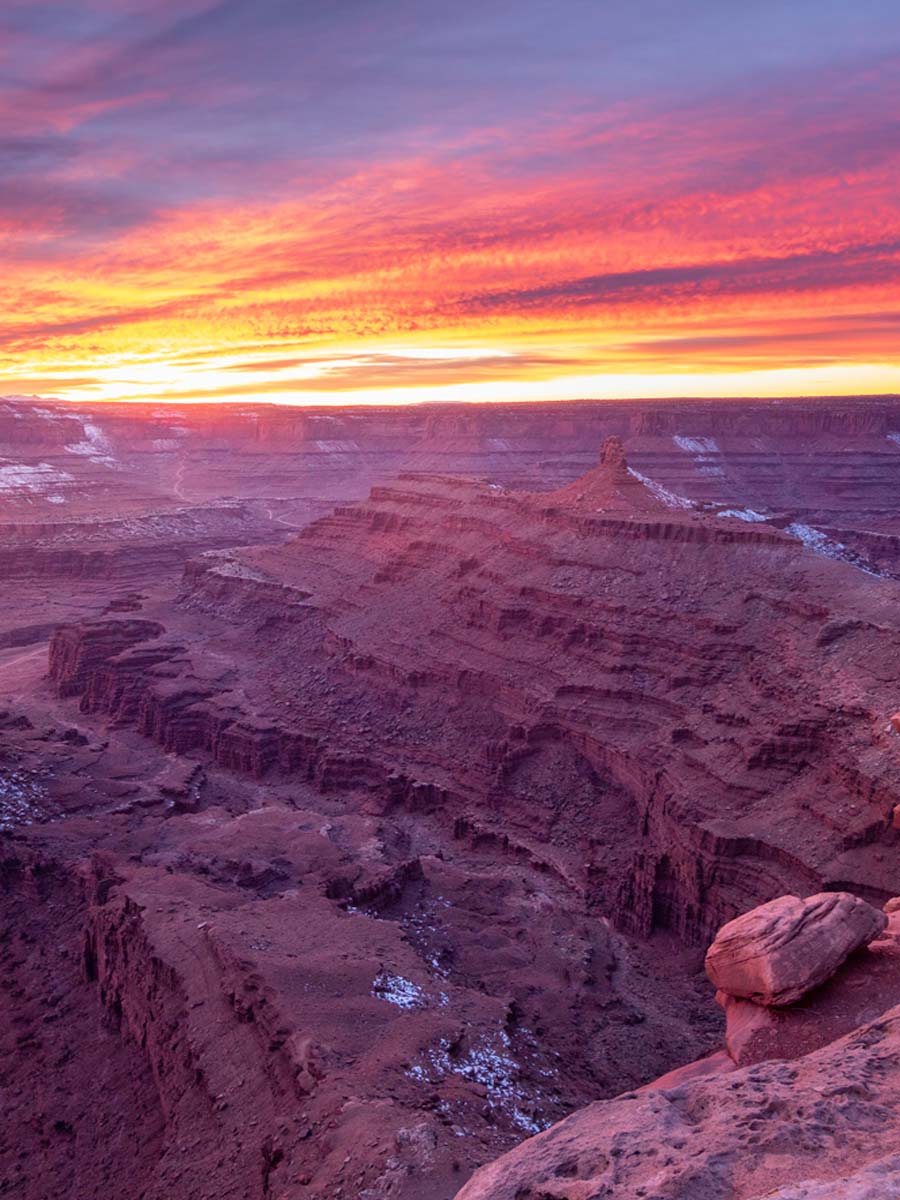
x=394, y=200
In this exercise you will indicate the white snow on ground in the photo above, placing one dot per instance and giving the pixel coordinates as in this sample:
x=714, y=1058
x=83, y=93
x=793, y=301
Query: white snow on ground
x=421, y=926
x=40, y=477
x=336, y=447
x=895, y=438
x=397, y=990
x=9, y=403
x=94, y=445
x=699, y=445
x=816, y=540
x=488, y=1062
x=706, y=453
x=670, y=499
x=743, y=514
x=20, y=797
x=822, y=544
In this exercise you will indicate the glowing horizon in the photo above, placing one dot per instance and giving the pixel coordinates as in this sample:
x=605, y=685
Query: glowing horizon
x=234, y=202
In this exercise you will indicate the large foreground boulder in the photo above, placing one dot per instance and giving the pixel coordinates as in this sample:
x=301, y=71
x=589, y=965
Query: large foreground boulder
x=862, y=988
x=778, y=952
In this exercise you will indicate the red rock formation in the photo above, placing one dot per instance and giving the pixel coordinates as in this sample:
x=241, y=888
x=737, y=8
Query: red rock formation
x=625, y=708
x=388, y=846
x=610, y=487
x=780, y=951
x=76, y=652
x=796, y=1131
x=865, y=985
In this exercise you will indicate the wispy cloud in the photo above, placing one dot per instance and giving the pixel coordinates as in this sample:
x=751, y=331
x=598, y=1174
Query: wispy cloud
x=559, y=193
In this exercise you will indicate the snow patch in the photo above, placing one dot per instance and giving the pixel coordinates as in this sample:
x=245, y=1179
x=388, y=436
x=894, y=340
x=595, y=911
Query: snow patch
x=37, y=478
x=490, y=1063
x=706, y=453
x=94, y=445
x=670, y=499
x=821, y=543
x=895, y=438
x=699, y=445
x=399, y=991
x=20, y=800
x=743, y=514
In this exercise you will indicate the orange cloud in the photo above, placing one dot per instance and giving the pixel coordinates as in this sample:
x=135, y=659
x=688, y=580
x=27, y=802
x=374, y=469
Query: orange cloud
x=541, y=256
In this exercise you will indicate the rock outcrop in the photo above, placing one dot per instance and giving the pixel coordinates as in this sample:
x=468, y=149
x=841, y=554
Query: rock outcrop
x=822, y=1070
x=781, y=950
x=612, y=487
x=821, y=1126
x=865, y=985
x=77, y=651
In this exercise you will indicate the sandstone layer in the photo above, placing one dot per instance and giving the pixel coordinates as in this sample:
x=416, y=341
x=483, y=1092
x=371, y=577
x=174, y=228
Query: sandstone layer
x=350, y=855
x=780, y=951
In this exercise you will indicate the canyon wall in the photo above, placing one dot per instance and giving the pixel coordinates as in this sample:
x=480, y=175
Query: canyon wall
x=588, y=688
x=831, y=460
x=360, y=819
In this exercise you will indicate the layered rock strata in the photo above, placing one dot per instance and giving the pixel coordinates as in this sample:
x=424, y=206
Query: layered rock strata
x=670, y=745
x=390, y=844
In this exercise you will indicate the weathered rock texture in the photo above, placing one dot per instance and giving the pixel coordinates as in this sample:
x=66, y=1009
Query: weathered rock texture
x=709, y=1130
x=780, y=951
x=351, y=859
x=819, y=1127
x=864, y=986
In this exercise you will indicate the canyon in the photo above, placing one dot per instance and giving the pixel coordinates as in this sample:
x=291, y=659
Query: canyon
x=373, y=782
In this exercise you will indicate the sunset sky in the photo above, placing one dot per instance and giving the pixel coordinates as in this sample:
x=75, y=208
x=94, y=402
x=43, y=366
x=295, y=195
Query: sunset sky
x=389, y=200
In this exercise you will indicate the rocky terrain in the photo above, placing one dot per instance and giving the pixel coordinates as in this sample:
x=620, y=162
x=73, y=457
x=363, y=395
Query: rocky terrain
x=369, y=799
x=781, y=1117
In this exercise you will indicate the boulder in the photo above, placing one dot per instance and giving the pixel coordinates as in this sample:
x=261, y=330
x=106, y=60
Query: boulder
x=862, y=988
x=775, y=954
